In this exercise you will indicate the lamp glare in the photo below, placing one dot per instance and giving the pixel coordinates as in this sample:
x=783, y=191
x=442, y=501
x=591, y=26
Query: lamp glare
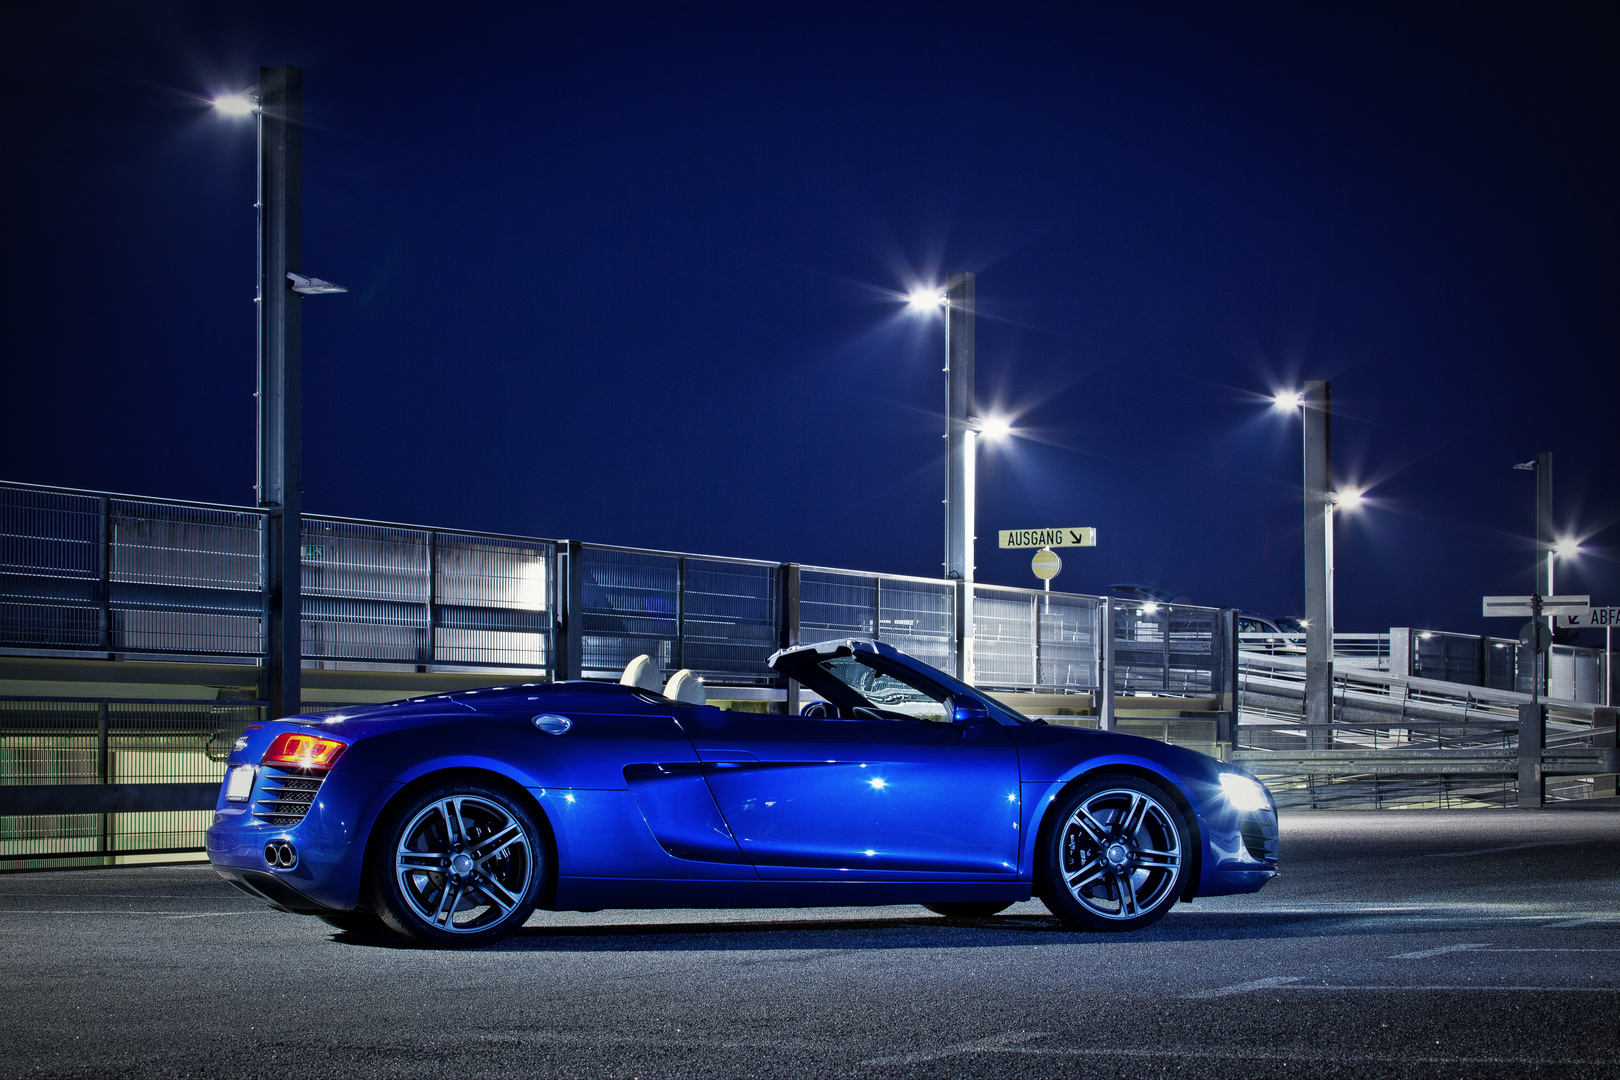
x=924, y=299
x=1349, y=498
x=235, y=106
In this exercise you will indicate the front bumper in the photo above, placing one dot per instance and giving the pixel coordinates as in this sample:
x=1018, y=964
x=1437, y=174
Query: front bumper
x=329, y=842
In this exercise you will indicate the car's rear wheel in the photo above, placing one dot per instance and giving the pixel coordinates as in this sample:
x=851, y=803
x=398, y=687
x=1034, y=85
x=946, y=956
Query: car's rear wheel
x=1116, y=855
x=458, y=865
x=970, y=909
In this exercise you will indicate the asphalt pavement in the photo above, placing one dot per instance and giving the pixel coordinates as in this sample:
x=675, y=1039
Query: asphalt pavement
x=1471, y=944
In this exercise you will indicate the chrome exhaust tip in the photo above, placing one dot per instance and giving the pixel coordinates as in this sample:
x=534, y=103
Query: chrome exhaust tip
x=280, y=855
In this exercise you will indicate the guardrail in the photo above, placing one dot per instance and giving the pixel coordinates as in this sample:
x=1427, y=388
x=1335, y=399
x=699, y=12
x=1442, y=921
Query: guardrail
x=1386, y=725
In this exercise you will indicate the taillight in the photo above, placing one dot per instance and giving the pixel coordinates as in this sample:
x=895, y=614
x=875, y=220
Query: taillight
x=295, y=750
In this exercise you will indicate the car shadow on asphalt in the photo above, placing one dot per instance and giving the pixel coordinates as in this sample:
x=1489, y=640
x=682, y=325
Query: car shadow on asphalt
x=925, y=932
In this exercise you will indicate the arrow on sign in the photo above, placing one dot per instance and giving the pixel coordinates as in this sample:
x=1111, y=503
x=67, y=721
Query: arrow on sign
x=1598, y=616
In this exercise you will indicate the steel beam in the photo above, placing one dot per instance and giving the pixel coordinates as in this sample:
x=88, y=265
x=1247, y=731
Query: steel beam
x=280, y=444
x=959, y=459
x=1318, y=563
x=1532, y=737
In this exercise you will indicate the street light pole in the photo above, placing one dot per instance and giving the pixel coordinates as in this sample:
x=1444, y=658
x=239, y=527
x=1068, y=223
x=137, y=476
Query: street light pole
x=1318, y=416
x=960, y=437
x=280, y=431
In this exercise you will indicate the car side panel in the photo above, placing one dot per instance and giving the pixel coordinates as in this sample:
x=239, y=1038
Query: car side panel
x=604, y=834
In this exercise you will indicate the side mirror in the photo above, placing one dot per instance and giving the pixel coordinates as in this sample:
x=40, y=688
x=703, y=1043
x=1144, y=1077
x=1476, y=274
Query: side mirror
x=966, y=710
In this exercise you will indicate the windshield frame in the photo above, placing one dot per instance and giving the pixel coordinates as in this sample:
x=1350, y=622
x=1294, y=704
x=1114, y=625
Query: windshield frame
x=929, y=680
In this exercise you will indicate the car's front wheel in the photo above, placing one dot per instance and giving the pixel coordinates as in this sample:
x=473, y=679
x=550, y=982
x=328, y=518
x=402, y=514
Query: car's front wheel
x=458, y=865
x=1116, y=855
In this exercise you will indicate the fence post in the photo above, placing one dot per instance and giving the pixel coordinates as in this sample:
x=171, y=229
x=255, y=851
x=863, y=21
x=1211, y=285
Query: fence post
x=1105, y=691
x=429, y=648
x=106, y=577
x=1227, y=667
x=1400, y=651
x=571, y=654
x=788, y=633
x=1605, y=736
x=1532, y=730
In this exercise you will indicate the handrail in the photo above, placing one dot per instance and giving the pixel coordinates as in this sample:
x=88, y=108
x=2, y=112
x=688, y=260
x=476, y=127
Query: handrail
x=1247, y=661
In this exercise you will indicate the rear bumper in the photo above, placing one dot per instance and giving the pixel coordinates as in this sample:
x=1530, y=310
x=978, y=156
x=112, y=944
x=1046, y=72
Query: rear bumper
x=330, y=845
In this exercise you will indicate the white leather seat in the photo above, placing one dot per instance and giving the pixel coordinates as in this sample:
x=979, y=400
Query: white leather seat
x=685, y=686
x=643, y=674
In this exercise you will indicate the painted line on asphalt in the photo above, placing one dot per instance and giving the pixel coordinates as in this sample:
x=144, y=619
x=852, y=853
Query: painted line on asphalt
x=1269, y=1054
x=159, y=914
x=1586, y=920
x=1006, y=1040
x=1424, y=954
x=1552, y=950
x=1245, y=987
x=1293, y=984
x=1499, y=850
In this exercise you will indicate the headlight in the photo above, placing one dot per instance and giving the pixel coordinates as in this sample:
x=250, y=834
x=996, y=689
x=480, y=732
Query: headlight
x=1244, y=794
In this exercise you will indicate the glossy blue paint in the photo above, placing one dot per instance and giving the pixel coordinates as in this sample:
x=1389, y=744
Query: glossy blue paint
x=856, y=795
x=656, y=803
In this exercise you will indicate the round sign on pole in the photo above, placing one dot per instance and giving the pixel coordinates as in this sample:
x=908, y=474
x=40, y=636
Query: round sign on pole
x=1535, y=636
x=1046, y=564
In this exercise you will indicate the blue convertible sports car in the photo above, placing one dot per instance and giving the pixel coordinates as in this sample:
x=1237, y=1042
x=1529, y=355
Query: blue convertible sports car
x=448, y=819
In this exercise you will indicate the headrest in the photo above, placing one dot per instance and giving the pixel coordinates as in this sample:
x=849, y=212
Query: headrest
x=643, y=674
x=684, y=686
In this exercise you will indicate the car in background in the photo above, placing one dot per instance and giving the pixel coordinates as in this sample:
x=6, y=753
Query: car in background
x=448, y=819
x=1261, y=633
x=1147, y=594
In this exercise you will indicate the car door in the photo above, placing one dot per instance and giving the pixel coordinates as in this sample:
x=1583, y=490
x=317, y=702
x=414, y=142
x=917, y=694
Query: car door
x=877, y=798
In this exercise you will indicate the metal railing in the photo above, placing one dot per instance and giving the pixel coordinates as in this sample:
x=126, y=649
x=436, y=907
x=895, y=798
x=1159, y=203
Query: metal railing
x=99, y=580
x=1407, y=740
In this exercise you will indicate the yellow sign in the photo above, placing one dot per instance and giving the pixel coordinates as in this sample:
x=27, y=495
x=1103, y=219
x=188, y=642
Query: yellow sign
x=1046, y=564
x=1043, y=538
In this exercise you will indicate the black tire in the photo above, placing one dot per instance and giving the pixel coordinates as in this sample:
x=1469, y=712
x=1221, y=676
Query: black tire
x=357, y=922
x=458, y=865
x=1115, y=854
x=970, y=909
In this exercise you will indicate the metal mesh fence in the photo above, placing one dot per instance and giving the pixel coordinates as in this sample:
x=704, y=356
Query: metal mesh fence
x=1166, y=649
x=57, y=742
x=51, y=570
x=1447, y=657
x=916, y=616
x=365, y=592
x=719, y=617
x=1035, y=640
x=729, y=617
x=493, y=600
x=629, y=605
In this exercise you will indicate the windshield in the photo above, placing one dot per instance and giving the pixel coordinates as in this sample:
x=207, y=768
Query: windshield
x=884, y=691
x=858, y=682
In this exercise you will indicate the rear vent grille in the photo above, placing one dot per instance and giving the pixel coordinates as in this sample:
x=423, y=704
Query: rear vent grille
x=285, y=795
x=1260, y=835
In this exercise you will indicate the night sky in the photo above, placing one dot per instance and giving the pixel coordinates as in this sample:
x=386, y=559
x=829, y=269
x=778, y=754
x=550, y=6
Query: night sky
x=631, y=274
